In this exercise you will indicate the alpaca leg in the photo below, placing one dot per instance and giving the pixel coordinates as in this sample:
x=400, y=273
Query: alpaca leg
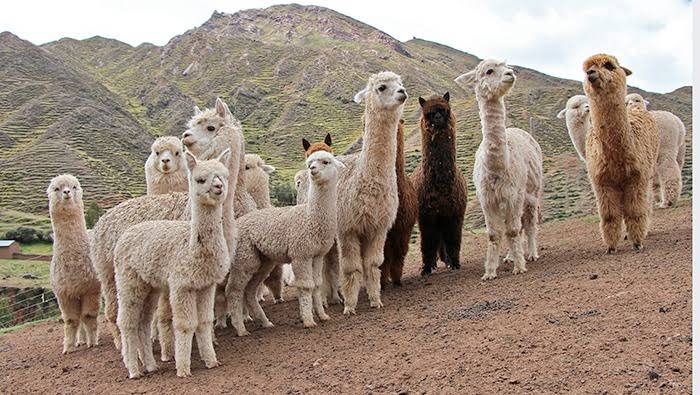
x=351, y=266
x=164, y=318
x=70, y=310
x=372, y=256
x=109, y=293
x=220, y=310
x=184, y=305
x=492, y=254
x=385, y=268
x=145, y=323
x=90, y=307
x=317, y=266
x=235, y=290
x=636, y=212
x=304, y=282
x=516, y=246
x=274, y=283
x=530, y=231
x=452, y=241
x=205, y=326
x=331, y=274
x=656, y=188
x=429, y=244
x=132, y=295
x=609, y=200
x=672, y=183
x=81, y=336
x=250, y=294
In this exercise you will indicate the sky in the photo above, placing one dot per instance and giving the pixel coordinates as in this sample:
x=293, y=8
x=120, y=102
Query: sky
x=652, y=38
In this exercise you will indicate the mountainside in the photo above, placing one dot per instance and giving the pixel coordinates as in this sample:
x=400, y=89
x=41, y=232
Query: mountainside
x=91, y=107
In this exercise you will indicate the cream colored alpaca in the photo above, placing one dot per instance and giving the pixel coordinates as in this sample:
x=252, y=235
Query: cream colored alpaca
x=368, y=196
x=508, y=172
x=621, y=150
x=73, y=279
x=300, y=234
x=257, y=175
x=210, y=132
x=151, y=258
x=165, y=167
x=578, y=121
x=669, y=163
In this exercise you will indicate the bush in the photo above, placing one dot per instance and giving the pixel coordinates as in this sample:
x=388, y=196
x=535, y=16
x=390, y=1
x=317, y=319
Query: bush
x=24, y=234
x=283, y=195
x=92, y=214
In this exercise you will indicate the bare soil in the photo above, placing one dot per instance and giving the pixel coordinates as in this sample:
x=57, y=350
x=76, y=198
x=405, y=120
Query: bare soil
x=577, y=321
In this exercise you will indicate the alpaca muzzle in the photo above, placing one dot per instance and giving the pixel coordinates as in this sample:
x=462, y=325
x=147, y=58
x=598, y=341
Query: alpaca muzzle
x=593, y=75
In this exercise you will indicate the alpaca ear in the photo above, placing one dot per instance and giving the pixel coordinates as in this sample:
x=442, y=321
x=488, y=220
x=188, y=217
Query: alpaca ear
x=466, y=79
x=359, y=96
x=191, y=161
x=446, y=96
x=627, y=71
x=305, y=143
x=646, y=102
x=421, y=101
x=224, y=157
x=328, y=140
x=197, y=111
x=561, y=114
x=268, y=169
x=222, y=109
x=338, y=163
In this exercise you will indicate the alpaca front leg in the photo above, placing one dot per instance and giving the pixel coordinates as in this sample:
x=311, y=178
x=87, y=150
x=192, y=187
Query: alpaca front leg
x=429, y=244
x=145, y=323
x=492, y=254
x=452, y=241
x=317, y=263
x=81, y=336
x=609, y=200
x=274, y=283
x=70, y=310
x=235, y=289
x=164, y=319
x=530, y=231
x=351, y=269
x=304, y=282
x=636, y=211
x=205, y=326
x=220, y=309
x=251, y=297
x=331, y=275
x=672, y=183
x=373, y=254
x=132, y=294
x=184, y=305
x=657, y=192
x=90, y=308
x=516, y=247
x=109, y=294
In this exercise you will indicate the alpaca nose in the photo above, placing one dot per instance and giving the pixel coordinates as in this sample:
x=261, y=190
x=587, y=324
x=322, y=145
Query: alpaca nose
x=66, y=193
x=592, y=75
x=586, y=107
x=402, y=95
x=314, y=169
x=185, y=138
x=509, y=73
x=165, y=160
x=217, y=186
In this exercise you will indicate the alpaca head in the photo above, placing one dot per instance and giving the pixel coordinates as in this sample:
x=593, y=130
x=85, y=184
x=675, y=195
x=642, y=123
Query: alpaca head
x=255, y=163
x=436, y=114
x=635, y=100
x=65, y=195
x=322, y=166
x=208, y=179
x=604, y=75
x=491, y=79
x=301, y=186
x=166, y=155
x=384, y=91
x=577, y=108
x=324, y=145
x=205, y=125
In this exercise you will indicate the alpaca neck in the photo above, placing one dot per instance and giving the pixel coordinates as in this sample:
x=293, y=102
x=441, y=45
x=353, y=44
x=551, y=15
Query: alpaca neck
x=400, y=161
x=207, y=231
x=611, y=126
x=321, y=203
x=379, y=142
x=69, y=228
x=439, y=155
x=493, y=126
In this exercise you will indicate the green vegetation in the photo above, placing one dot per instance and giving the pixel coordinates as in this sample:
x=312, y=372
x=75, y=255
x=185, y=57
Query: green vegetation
x=21, y=274
x=38, y=248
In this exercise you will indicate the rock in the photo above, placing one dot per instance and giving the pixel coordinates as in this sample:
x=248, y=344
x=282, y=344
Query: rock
x=653, y=375
x=29, y=276
x=593, y=276
x=664, y=309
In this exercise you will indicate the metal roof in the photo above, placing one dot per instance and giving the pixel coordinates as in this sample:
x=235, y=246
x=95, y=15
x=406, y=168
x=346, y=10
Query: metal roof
x=6, y=243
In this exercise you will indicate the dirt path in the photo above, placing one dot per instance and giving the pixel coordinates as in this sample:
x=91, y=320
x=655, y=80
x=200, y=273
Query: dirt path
x=578, y=321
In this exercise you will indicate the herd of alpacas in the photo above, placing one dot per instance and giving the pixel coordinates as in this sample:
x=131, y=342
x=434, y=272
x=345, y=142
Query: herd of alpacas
x=205, y=244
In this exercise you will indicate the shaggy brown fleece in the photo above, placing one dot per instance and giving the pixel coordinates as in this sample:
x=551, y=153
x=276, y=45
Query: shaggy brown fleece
x=440, y=186
x=621, y=150
x=396, y=245
x=324, y=145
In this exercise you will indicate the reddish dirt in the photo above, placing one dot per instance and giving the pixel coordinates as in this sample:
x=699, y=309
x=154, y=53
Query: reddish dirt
x=577, y=321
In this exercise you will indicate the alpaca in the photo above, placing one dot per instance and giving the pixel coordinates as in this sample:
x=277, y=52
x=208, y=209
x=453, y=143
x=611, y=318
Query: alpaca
x=151, y=257
x=208, y=132
x=440, y=186
x=165, y=167
x=578, y=121
x=300, y=234
x=73, y=280
x=669, y=163
x=368, y=197
x=621, y=150
x=508, y=173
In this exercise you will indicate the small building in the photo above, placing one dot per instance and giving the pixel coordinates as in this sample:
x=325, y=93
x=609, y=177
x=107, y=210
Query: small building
x=8, y=248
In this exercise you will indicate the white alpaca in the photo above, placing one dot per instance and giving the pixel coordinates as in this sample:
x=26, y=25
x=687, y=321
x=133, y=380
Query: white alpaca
x=73, y=279
x=165, y=167
x=578, y=121
x=508, y=172
x=257, y=180
x=669, y=163
x=151, y=258
x=300, y=234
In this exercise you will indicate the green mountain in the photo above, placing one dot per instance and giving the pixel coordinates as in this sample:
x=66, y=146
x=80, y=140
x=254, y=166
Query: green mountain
x=91, y=107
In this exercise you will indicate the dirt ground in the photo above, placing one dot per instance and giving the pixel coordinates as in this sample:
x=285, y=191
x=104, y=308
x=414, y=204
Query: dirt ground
x=577, y=321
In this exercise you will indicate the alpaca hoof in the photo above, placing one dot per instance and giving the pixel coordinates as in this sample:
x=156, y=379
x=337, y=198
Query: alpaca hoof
x=267, y=324
x=397, y=284
x=611, y=250
x=135, y=375
x=184, y=373
x=243, y=333
x=150, y=369
x=533, y=258
x=455, y=266
x=68, y=350
x=638, y=247
x=310, y=324
x=426, y=272
x=118, y=344
x=349, y=311
x=247, y=318
x=488, y=276
x=280, y=300
x=519, y=270
x=165, y=358
x=79, y=343
x=324, y=317
x=508, y=260
x=212, y=364
x=220, y=324
x=376, y=304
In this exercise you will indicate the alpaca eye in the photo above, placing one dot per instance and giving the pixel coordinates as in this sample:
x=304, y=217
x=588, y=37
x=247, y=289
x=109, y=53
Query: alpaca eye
x=157, y=153
x=382, y=88
x=75, y=188
x=489, y=71
x=211, y=128
x=177, y=153
x=325, y=162
x=201, y=181
x=55, y=189
x=609, y=66
x=247, y=167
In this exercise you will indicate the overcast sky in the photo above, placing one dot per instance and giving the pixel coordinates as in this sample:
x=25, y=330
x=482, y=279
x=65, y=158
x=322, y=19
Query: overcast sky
x=652, y=38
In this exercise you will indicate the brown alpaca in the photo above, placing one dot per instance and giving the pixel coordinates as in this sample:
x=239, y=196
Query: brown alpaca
x=310, y=148
x=440, y=186
x=621, y=151
x=396, y=245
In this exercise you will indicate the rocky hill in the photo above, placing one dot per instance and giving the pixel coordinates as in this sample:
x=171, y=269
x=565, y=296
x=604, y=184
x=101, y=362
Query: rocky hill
x=91, y=107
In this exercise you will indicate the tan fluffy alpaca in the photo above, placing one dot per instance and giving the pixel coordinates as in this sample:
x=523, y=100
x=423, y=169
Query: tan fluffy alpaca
x=578, y=121
x=73, y=279
x=508, y=173
x=301, y=234
x=621, y=151
x=669, y=162
x=185, y=259
x=210, y=132
x=165, y=167
x=368, y=196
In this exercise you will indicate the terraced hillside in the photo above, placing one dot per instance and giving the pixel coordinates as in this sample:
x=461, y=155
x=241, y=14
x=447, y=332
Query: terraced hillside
x=90, y=107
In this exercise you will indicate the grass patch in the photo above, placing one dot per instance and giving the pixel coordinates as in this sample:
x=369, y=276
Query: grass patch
x=39, y=248
x=4, y=331
x=21, y=274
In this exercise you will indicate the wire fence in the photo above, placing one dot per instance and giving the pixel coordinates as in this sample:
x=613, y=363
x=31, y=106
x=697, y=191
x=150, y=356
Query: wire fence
x=21, y=306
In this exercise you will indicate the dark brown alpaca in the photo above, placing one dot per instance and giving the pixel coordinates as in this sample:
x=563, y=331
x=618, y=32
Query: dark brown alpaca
x=441, y=187
x=396, y=245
